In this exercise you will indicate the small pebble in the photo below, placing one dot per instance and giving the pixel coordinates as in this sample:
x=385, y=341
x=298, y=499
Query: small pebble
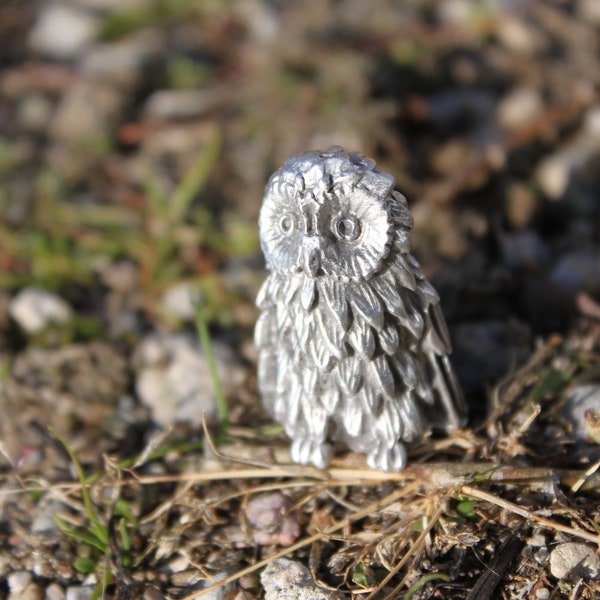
x=285, y=579
x=574, y=559
x=542, y=594
x=271, y=521
x=62, y=31
x=54, y=592
x=174, y=380
x=519, y=108
x=589, y=10
x=79, y=592
x=182, y=104
x=18, y=581
x=579, y=400
x=34, y=309
x=151, y=593
x=181, y=300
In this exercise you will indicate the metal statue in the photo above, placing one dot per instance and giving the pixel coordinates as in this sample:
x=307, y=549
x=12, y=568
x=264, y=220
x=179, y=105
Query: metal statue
x=353, y=346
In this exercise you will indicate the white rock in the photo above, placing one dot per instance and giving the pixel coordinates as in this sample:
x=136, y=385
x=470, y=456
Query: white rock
x=79, y=592
x=18, y=581
x=181, y=300
x=55, y=592
x=174, y=380
x=517, y=34
x=285, y=579
x=62, y=31
x=555, y=171
x=574, y=558
x=518, y=108
x=589, y=10
x=106, y=5
x=455, y=12
x=43, y=522
x=580, y=399
x=34, y=309
x=182, y=104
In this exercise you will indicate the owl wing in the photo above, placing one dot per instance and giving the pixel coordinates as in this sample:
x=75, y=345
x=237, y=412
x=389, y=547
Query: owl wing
x=437, y=384
x=401, y=347
x=265, y=339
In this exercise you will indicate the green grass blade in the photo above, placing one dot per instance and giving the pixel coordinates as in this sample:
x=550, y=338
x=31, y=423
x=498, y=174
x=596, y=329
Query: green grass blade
x=124, y=535
x=204, y=335
x=195, y=178
x=96, y=527
x=81, y=536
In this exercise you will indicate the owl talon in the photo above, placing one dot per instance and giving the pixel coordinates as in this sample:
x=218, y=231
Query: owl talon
x=306, y=451
x=388, y=459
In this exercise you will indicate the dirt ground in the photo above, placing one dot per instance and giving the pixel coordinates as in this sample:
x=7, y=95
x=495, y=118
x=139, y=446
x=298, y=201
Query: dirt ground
x=136, y=138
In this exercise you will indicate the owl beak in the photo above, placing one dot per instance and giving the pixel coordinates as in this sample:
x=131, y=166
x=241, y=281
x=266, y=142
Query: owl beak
x=311, y=260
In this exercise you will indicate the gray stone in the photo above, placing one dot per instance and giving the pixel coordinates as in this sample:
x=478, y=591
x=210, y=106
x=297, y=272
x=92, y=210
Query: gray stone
x=62, y=31
x=174, y=381
x=574, y=559
x=182, y=104
x=589, y=10
x=285, y=579
x=181, y=300
x=18, y=581
x=22, y=587
x=54, y=592
x=151, y=593
x=579, y=400
x=42, y=522
x=79, y=592
x=556, y=170
x=34, y=309
x=519, y=108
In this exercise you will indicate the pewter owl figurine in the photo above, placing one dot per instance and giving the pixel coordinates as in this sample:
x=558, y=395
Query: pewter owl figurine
x=353, y=346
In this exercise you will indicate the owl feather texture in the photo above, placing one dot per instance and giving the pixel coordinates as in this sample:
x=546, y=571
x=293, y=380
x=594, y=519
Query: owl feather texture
x=353, y=346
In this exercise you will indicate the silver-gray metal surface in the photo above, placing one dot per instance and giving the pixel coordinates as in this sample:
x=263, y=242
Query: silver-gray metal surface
x=353, y=346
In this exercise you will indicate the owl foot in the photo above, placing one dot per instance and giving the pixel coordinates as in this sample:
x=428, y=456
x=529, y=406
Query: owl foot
x=306, y=451
x=388, y=459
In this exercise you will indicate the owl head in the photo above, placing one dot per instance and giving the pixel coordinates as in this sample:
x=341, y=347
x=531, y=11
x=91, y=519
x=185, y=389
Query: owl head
x=332, y=214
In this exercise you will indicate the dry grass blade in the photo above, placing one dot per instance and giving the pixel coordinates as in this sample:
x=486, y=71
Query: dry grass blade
x=361, y=514
x=417, y=546
x=585, y=477
x=515, y=508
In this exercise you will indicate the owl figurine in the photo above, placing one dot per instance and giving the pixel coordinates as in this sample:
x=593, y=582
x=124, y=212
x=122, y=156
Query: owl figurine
x=353, y=346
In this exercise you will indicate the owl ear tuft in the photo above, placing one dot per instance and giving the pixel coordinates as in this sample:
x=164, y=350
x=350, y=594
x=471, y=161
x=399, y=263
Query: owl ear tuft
x=379, y=184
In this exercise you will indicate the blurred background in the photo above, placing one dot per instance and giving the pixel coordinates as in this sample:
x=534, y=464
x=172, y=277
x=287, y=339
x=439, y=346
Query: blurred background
x=136, y=137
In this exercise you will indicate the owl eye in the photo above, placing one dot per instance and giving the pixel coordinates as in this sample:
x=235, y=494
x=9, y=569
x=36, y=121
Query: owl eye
x=346, y=227
x=287, y=224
